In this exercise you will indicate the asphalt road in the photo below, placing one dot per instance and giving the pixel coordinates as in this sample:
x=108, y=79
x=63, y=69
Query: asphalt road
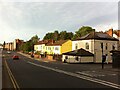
x=30, y=73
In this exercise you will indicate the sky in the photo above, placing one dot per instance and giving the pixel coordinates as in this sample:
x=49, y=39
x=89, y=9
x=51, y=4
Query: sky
x=23, y=19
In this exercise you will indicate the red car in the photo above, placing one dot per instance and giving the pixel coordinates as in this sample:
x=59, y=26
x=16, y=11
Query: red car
x=15, y=57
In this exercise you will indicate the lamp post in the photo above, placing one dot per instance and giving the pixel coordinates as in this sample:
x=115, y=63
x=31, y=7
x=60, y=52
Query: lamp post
x=102, y=56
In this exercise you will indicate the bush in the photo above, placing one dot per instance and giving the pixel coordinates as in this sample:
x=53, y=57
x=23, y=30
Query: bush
x=37, y=52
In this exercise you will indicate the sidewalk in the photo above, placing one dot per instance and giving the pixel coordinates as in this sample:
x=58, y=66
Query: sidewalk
x=39, y=59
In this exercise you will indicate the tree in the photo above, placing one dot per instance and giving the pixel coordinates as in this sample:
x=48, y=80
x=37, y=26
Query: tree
x=48, y=36
x=83, y=31
x=66, y=35
x=63, y=35
x=56, y=35
x=29, y=45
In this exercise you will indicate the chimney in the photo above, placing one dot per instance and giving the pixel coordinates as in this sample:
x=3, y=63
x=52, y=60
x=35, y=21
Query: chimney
x=53, y=41
x=110, y=32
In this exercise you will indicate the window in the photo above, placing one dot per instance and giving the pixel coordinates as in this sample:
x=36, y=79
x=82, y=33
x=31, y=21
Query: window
x=101, y=46
x=76, y=46
x=87, y=45
x=106, y=46
x=56, y=48
x=113, y=47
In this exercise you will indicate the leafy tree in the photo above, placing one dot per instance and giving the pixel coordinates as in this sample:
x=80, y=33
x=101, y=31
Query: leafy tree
x=63, y=35
x=83, y=31
x=29, y=45
x=56, y=35
x=69, y=35
x=48, y=36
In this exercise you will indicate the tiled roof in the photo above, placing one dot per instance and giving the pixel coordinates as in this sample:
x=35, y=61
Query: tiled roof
x=44, y=42
x=60, y=42
x=79, y=52
x=97, y=36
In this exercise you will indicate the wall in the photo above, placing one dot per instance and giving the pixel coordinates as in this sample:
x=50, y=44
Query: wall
x=57, y=51
x=95, y=48
x=66, y=47
x=71, y=59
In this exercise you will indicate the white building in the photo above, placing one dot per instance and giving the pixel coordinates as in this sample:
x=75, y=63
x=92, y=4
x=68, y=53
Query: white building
x=93, y=42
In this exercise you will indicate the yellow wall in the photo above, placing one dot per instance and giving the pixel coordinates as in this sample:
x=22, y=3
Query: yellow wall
x=66, y=47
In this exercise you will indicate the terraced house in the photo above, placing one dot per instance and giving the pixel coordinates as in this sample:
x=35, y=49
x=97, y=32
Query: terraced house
x=59, y=47
x=41, y=46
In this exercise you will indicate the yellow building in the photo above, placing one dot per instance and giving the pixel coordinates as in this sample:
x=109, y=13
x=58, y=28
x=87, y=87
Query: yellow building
x=59, y=47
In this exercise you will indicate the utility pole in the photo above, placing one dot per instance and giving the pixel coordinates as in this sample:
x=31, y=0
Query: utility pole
x=102, y=56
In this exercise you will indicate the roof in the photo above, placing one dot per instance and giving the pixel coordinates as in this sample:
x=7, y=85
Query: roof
x=79, y=52
x=57, y=43
x=44, y=42
x=97, y=36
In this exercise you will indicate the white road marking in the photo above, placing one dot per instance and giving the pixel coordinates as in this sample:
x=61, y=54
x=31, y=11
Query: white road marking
x=113, y=85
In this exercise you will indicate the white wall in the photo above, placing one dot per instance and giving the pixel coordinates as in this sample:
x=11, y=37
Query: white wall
x=57, y=51
x=95, y=48
x=71, y=59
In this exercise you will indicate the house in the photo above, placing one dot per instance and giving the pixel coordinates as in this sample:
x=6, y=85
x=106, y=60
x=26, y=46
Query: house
x=78, y=56
x=98, y=43
x=115, y=34
x=9, y=46
x=41, y=46
x=15, y=45
x=59, y=47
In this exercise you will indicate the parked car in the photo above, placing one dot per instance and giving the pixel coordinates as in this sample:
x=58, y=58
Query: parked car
x=15, y=57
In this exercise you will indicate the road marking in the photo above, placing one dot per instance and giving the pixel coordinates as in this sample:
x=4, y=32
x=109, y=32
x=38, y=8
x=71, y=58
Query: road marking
x=14, y=82
x=91, y=75
x=113, y=85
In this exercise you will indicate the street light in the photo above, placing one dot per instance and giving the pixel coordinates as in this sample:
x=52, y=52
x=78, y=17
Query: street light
x=102, y=56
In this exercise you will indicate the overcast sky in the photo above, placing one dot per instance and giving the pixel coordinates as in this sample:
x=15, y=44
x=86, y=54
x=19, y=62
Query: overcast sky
x=25, y=19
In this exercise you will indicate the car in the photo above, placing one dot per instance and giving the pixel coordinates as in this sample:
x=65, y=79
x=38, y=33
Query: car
x=15, y=57
x=8, y=52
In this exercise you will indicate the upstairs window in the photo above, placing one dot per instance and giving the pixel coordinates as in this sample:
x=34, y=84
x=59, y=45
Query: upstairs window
x=76, y=46
x=87, y=45
x=106, y=46
x=56, y=48
x=113, y=47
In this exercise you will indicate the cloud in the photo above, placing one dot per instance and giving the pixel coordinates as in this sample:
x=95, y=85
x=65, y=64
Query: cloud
x=25, y=19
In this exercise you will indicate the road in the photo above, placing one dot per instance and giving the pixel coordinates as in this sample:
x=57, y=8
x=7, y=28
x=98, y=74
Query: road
x=30, y=73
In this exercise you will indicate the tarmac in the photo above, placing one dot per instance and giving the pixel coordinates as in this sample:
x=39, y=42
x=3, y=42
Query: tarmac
x=106, y=66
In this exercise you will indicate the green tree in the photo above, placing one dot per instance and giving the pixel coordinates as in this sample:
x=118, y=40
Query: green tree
x=83, y=31
x=29, y=45
x=48, y=36
x=56, y=35
x=63, y=35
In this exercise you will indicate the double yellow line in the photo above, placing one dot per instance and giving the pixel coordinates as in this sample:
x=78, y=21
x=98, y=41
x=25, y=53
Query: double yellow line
x=15, y=85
